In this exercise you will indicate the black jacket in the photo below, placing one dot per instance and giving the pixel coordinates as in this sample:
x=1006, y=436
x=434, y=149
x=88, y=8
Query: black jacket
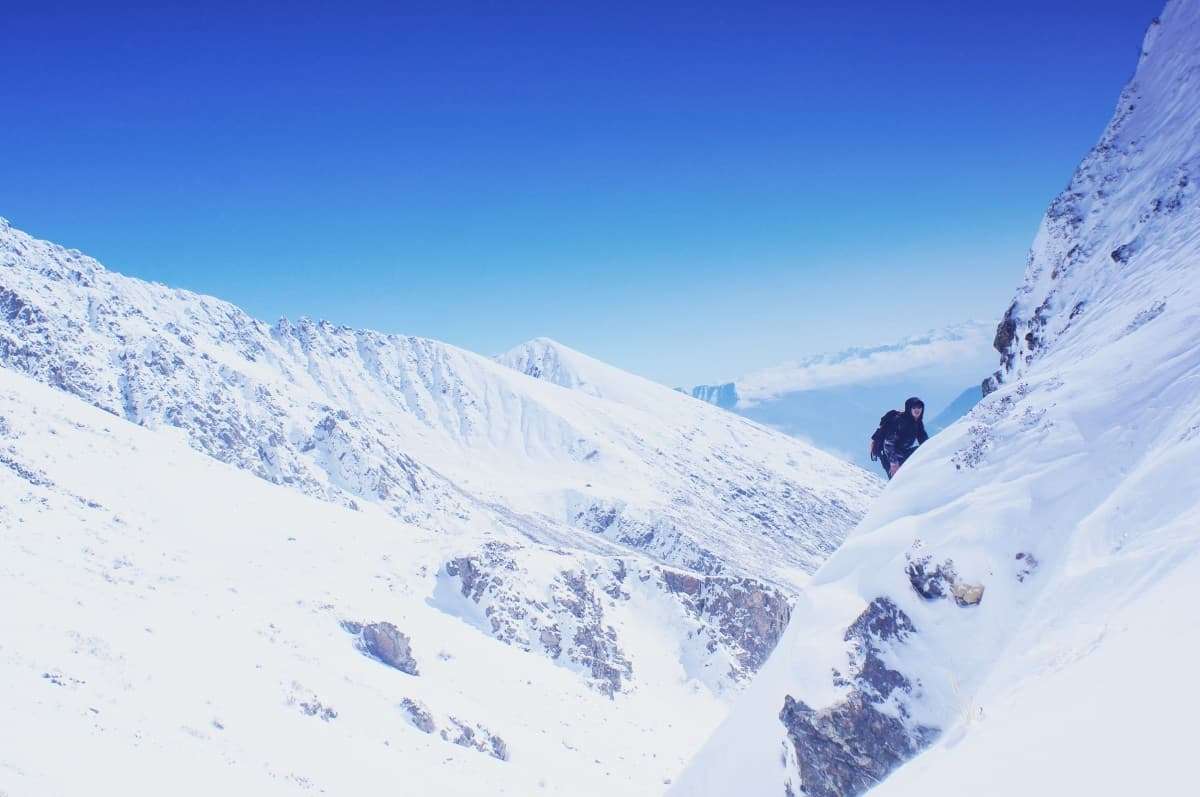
x=905, y=435
x=902, y=433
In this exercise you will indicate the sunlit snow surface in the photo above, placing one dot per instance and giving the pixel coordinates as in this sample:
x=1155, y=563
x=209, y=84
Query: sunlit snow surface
x=1071, y=677
x=171, y=625
x=191, y=521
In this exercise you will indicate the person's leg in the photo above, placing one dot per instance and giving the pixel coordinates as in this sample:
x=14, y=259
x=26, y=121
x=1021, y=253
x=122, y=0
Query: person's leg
x=883, y=460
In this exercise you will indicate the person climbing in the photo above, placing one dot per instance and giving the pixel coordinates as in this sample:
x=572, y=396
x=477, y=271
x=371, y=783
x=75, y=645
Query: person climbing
x=898, y=435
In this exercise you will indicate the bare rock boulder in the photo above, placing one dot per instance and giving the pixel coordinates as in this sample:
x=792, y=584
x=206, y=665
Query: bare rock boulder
x=386, y=643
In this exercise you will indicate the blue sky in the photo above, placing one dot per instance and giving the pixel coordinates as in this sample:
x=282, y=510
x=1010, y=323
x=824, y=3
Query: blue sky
x=690, y=191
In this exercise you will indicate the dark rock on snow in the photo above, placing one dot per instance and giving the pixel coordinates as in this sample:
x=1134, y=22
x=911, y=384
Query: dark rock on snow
x=844, y=750
x=749, y=617
x=418, y=715
x=386, y=643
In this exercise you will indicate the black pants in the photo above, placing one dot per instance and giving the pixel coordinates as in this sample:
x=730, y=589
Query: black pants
x=899, y=457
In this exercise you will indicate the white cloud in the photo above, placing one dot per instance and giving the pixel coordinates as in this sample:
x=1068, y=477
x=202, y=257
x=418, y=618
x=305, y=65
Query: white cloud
x=961, y=347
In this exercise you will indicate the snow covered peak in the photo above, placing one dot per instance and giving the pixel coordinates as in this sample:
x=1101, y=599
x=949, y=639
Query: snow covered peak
x=551, y=361
x=547, y=359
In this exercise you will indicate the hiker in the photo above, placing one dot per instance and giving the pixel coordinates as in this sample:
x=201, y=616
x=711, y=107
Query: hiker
x=898, y=435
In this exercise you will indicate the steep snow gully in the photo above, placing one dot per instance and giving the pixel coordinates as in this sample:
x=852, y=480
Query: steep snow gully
x=1015, y=613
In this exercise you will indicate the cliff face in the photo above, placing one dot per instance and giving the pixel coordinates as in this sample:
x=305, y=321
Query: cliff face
x=1103, y=246
x=1041, y=554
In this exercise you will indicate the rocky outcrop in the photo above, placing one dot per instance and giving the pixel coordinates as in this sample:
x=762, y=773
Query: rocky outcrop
x=386, y=643
x=730, y=623
x=454, y=730
x=1093, y=235
x=1026, y=564
x=932, y=581
x=845, y=749
x=475, y=736
x=563, y=619
x=743, y=615
x=418, y=715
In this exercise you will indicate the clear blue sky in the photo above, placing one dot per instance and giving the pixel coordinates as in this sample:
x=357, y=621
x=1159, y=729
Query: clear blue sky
x=690, y=191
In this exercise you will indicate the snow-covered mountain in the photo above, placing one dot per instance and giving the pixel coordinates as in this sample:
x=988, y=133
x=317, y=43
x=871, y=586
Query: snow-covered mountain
x=835, y=400
x=436, y=434
x=174, y=625
x=1015, y=614
x=624, y=552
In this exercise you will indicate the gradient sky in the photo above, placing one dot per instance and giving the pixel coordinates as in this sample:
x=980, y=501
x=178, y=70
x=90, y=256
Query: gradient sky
x=689, y=191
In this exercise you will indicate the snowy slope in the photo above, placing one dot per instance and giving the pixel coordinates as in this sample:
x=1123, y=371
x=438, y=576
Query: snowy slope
x=1018, y=604
x=174, y=625
x=586, y=580
x=835, y=399
x=436, y=434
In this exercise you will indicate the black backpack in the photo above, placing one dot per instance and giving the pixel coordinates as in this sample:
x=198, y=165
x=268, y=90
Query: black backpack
x=885, y=425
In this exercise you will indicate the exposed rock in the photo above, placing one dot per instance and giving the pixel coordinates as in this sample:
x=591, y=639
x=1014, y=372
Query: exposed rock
x=564, y=619
x=594, y=643
x=845, y=749
x=32, y=475
x=1125, y=251
x=745, y=615
x=739, y=620
x=992, y=383
x=460, y=732
x=316, y=708
x=308, y=703
x=1026, y=564
x=930, y=582
x=476, y=737
x=418, y=715
x=967, y=594
x=935, y=582
x=1006, y=333
x=386, y=643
